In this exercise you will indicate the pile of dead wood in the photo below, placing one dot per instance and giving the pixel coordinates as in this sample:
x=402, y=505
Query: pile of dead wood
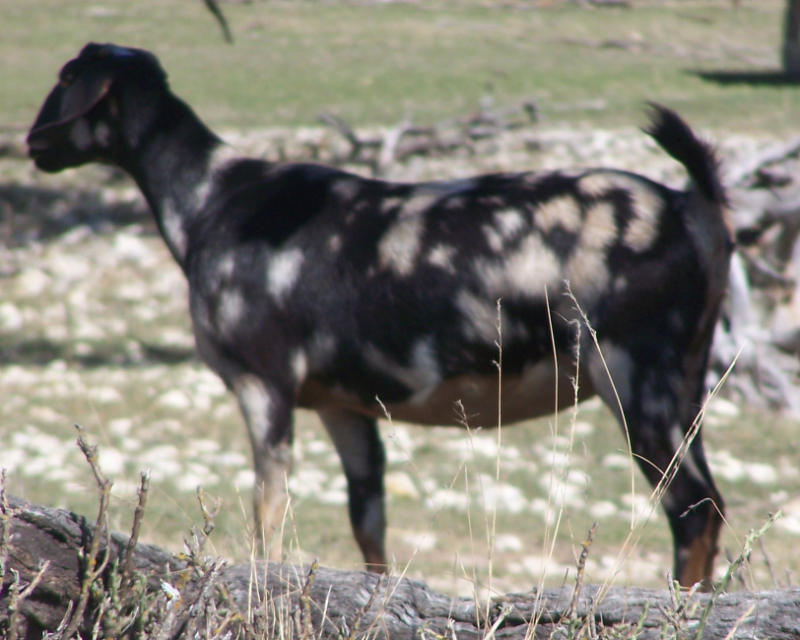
x=761, y=322
x=66, y=577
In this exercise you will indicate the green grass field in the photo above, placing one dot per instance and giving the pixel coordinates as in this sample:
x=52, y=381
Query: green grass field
x=93, y=322
x=379, y=62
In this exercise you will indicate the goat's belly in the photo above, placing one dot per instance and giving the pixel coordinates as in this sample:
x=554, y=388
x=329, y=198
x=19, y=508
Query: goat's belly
x=467, y=400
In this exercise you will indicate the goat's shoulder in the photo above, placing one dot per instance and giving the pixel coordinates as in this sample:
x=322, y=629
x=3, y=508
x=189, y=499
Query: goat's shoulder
x=254, y=201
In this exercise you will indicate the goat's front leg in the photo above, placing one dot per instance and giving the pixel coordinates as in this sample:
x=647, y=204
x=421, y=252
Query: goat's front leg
x=360, y=449
x=268, y=414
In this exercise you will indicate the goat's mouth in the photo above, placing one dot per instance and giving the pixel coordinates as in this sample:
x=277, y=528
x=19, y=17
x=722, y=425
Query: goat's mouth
x=43, y=157
x=36, y=147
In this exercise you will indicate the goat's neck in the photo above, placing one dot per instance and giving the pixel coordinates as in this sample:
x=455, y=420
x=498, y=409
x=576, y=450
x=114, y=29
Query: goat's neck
x=173, y=164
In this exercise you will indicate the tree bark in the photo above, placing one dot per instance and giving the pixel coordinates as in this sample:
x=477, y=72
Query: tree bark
x=263, y=599
x=791, y=39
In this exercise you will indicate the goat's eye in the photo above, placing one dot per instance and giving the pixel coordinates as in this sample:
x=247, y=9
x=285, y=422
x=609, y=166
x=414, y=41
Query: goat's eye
x=66, y=79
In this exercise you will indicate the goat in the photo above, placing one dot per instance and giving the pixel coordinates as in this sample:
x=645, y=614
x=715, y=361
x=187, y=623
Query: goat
x=313, y=287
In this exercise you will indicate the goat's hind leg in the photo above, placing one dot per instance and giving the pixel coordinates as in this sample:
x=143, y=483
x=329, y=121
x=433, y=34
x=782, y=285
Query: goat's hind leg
x=360, y=449
x=660, y=402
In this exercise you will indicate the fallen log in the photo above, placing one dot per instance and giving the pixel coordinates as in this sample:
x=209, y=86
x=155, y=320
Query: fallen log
x=186, y=596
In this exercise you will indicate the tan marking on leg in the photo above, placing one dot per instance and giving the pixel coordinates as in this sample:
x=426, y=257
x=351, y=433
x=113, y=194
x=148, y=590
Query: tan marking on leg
x=699, y=566
x=374, y=556
x=269, y=502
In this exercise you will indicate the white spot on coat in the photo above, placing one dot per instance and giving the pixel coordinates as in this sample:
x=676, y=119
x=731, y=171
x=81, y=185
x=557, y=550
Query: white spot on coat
x=321, y=349
x=647, y=205
x=346, y=188
x=596, y=184
x=493, y=238
x=510, y=223
x=283, y=271
x=80, y=135
x=335, y=243
x=299, y=365
x=528, y=270
x=391, y=204
x=231, y=310
x=587, y=269
x=421, y=375
x=399, y=248
x=562, y=211
x=480, y=317
x=255, y=404
x=442, y=256
x=102, y=134
x=172, y=228
x=223, y=269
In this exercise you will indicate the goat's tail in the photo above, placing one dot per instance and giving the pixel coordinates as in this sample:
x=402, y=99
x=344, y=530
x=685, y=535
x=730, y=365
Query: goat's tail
x=678, y=140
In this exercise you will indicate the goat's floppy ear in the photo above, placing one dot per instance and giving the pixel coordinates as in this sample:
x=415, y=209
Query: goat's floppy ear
x=69, y=100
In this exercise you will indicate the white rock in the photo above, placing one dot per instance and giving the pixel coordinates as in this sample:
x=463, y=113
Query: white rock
x=175, y=399
x=244, y=479
x=307, y=482
x=507, y=542
x=723, y=408
x=48, y=416
x=400, y=484
x=501, y=497
x=725, y=465
x=421, y=541
x=112, y=460
x=12, y=459
x=11, y=318
x=132, y=248
x=70, y=266
x=333, y=497
x=447, y=499
x=616, y=461
x=542, y=565
x=639, y=508
x=120, y=426
x=559, y=492
x=32, y=282
x=583, y=428
x=602, y=509
x=761, y=473
x=104, y=395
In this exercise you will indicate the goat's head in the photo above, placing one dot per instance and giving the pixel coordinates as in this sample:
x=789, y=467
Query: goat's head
x=83, y=118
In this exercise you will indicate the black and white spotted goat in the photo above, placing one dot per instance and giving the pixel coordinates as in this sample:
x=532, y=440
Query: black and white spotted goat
x=313, y=287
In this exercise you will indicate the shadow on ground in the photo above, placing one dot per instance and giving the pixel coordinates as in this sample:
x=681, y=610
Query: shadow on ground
x=41, y=352
x=33, y=214
x=758, y=77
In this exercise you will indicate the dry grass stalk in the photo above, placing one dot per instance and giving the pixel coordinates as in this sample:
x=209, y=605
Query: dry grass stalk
x=18, y=594
x=91, y=569
x=303, y=624
x=581, y=566
x=138, y=515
